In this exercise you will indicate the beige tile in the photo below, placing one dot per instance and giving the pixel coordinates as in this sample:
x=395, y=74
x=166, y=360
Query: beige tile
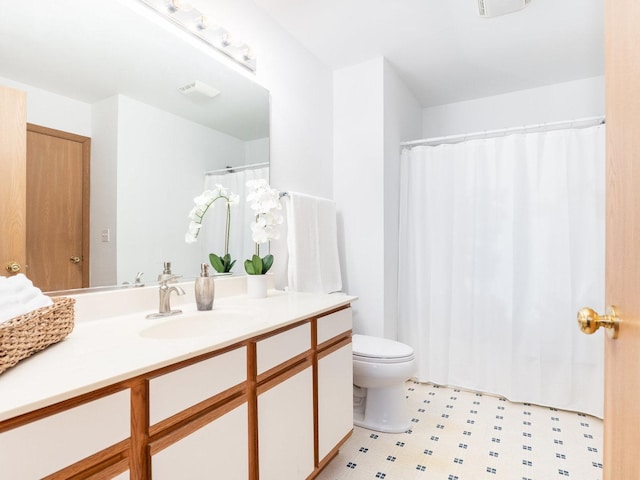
x=461, y=434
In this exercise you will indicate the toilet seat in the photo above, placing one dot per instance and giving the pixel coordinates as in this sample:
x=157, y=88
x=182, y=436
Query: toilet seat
x=380, y=350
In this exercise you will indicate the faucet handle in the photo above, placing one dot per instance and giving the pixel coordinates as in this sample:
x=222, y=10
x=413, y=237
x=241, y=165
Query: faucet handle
x=165, y=279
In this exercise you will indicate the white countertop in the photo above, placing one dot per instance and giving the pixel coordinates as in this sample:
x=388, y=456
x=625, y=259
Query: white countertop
x=103, y=351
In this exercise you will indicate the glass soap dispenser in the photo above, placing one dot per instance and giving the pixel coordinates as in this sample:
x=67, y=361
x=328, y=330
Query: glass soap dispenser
x=204, y=289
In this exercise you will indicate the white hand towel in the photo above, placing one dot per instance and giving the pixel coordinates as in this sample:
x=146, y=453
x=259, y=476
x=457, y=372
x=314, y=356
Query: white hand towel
x=312, y=242
x=328, y=246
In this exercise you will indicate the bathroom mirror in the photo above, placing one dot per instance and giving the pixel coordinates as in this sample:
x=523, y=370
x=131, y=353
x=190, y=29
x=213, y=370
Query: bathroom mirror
x=112, y=71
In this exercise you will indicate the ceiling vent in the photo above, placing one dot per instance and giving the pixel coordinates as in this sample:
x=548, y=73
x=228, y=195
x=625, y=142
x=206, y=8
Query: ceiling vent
x=199, y=89
x=495, y=8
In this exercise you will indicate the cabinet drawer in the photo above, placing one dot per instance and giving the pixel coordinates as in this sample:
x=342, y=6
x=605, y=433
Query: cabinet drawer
x=47, y=445
x=176, y=391
x=275, y=350
x=334, y=324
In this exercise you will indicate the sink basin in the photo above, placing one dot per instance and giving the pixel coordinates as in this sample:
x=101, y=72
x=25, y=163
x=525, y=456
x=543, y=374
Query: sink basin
x=205, y=324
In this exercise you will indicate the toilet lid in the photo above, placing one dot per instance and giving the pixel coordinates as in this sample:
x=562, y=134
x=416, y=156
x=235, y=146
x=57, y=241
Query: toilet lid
x=381, y=348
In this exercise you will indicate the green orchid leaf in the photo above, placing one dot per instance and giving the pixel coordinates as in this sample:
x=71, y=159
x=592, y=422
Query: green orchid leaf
x=216, y=263
x=248, y=267
x=257, y=265
x=221, y=264
x=228, y=263
x=267, y=261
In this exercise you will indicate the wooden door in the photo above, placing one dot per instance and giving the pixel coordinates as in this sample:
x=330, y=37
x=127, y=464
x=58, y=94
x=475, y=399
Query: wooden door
x=57, y=209
x=13, y=118
x=622, y=356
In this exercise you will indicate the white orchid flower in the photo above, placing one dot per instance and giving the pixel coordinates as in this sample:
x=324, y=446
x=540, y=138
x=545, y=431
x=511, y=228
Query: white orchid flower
x=202, y=204
x=266, y=206
x=233, y=199
x=192, y=234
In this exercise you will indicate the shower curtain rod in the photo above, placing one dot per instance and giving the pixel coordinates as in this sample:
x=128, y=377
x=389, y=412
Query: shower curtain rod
x=233, y=169
x=540, y=127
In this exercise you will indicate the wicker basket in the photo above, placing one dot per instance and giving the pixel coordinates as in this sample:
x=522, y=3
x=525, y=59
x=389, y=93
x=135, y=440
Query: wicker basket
x=27, y=334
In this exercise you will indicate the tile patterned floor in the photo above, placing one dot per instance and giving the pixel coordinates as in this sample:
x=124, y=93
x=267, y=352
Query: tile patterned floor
x=460, y=435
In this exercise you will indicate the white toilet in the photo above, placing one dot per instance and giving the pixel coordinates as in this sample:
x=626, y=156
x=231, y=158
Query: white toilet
x=380, y=368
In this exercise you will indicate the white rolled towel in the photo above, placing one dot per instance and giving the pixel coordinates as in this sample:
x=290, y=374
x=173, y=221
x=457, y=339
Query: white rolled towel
x=18, y=296
x=27, y=294
x=7, y=292
x=18, y=283
x=12, y=312
x=8, y=301
x=38, y=302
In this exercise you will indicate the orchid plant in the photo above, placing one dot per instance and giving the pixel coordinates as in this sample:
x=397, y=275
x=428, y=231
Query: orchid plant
x=221, y=264
x=266, y=206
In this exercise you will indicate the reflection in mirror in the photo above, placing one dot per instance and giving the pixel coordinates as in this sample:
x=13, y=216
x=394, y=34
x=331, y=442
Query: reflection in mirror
x=241, y=245
x=111, y=72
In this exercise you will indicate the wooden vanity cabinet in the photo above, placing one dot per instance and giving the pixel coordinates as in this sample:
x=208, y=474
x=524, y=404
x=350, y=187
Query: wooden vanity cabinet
x=304, y=396
x=273, y=407
x=198, y=419
x=86, y=437
x=285, y=404
x=334, y=383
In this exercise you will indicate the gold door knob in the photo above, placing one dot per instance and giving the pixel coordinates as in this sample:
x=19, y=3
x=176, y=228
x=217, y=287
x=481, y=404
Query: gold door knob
x=590, y=321
x=13, y=267
x=74, y=259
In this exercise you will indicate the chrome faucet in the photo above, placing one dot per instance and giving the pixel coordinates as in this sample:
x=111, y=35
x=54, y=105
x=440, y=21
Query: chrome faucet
x=137, y=282
x=164, y=309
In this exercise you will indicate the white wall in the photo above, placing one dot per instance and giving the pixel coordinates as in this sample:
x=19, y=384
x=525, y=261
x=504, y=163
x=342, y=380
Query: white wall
x=103, y=202
x=256, y=151
x=358, y=136
x=402, y=122
x=552, y=103
x=373, y=112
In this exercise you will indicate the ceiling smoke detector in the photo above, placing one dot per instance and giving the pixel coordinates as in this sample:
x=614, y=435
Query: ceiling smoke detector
x=495, y=8
x=198, y=88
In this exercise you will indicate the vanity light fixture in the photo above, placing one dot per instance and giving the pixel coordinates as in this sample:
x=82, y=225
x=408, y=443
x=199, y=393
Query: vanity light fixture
x=196, y=23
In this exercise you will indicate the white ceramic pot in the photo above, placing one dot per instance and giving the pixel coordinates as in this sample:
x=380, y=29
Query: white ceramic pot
x=257, y=286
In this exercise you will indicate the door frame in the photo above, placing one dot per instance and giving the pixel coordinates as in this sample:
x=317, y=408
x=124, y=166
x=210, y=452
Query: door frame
x=86, y=190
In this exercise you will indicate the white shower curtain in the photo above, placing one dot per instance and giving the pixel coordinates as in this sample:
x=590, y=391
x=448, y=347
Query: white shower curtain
x=241, y=246
x=501, y=242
